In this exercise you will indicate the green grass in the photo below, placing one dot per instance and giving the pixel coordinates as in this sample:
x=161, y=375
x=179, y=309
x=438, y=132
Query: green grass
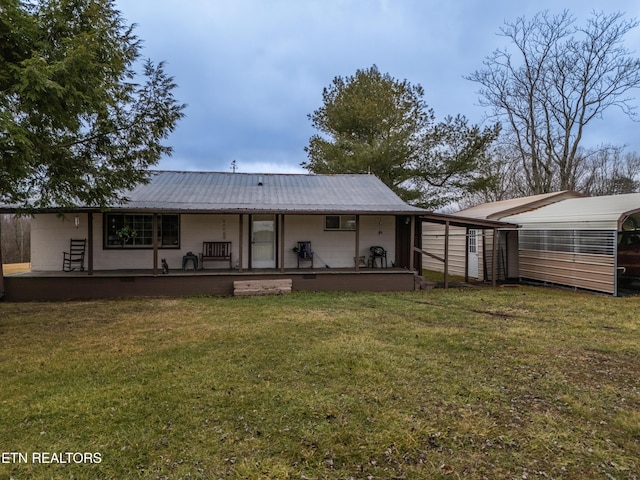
x=516, y=382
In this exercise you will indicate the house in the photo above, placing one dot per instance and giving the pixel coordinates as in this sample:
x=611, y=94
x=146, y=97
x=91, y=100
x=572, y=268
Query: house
x=257, y=220
x=470, y=247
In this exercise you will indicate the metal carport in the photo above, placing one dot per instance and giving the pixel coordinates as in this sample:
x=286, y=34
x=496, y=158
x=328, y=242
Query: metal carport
x=574, y=242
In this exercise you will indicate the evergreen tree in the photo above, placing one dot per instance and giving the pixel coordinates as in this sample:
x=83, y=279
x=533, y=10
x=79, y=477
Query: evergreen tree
x=77, y=123
x=373, y=123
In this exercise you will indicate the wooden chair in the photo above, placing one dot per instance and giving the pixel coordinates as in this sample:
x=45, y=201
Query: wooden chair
x=215, y=251
x=74, y=258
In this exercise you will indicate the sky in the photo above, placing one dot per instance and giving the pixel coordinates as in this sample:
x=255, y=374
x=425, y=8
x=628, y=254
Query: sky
x=251, y=71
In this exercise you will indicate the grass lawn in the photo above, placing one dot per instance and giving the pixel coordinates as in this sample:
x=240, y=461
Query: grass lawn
x=507, y=383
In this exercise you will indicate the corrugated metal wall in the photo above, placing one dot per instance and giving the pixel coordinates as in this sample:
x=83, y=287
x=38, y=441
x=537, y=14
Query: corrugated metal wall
x=576, y=258
x=433, y=237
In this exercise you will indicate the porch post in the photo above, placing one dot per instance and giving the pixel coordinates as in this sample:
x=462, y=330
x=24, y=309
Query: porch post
x=412, y=243
x=90, y=240
x=1, y=272
x=240, y=242
x=466, y=255
x=154, y=229
x=282, y=242
x=357, y=260
x=446, y=254
x=494, y=260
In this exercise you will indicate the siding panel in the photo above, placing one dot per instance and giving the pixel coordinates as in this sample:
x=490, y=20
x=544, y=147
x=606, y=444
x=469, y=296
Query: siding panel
x=591, y=272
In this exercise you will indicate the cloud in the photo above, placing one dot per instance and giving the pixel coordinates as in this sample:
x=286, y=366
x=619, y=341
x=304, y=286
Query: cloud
x=251, y=71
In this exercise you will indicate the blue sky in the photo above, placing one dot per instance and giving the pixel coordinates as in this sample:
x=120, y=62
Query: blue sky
x=251, y=71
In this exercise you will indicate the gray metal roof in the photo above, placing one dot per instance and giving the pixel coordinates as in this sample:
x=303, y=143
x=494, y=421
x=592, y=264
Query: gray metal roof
x=252, y=192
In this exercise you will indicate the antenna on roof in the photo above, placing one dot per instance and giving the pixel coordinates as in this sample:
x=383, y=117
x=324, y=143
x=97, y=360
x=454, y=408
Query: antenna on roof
x=234, y=166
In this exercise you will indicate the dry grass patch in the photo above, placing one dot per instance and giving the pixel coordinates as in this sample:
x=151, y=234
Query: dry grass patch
x=11, y=268
x=475, y=383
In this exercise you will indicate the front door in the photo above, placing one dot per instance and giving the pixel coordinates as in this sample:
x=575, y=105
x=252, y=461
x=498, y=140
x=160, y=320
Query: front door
x=472, y=253
x=263, y=241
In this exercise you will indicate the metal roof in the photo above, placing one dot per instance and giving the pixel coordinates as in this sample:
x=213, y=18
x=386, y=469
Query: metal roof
x=206, y=192
x=503, y=208
x=587, y=213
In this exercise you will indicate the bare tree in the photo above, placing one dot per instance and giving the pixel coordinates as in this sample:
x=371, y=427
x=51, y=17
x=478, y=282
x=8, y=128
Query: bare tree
x=15, y=236
x=554, y=80
x=610, y=172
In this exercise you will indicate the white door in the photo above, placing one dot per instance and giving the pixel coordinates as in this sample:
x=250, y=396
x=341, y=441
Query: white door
x=472, y=253
x=263, y=241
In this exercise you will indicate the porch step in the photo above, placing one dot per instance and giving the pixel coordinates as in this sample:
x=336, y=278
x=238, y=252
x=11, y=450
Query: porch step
x=262, y=287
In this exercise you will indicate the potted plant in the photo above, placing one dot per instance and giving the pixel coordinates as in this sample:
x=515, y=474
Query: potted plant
x=127, y=234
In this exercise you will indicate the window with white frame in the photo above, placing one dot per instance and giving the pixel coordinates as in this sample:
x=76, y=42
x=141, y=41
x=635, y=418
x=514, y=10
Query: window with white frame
x=473, y=241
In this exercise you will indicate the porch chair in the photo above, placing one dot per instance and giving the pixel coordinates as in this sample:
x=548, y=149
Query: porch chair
x=378, y=252
x=74, y=258
x=305, y=254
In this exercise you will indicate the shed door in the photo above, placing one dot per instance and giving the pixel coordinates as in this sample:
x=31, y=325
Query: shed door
x=263, y=241
x=472, y=253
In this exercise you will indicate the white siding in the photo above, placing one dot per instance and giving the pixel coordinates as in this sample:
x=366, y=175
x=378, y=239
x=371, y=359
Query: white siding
x=51, y=235
x=337, y=248
x=433, y=242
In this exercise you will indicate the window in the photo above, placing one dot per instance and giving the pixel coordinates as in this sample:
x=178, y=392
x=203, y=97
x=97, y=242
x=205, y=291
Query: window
x=340, y=222
x=473, y=241
x=136, y=231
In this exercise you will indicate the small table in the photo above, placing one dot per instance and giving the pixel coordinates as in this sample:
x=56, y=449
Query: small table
x=187, y=258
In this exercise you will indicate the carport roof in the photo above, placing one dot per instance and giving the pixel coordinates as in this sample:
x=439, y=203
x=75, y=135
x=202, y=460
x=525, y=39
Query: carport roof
x=586, y=213
x=503, y=208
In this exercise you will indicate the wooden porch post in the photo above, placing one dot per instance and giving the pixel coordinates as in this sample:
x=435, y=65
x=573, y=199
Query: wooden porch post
x=412, y=243
x=357, y=260
x=1, y=272
x=466, y=255
x=241, y=242
x=282, y=242
x=90, y=240
x=494, y=260
x=446, y=254
x=154, y=229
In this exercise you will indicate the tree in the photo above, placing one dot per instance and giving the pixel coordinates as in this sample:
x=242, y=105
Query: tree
x=15, y=238
x=76, y=127
x=373, y=123
x=557, y=78
x=612, y=173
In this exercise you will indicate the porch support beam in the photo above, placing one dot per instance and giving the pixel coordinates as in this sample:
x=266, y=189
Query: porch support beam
x=357, y=246
x=494, y=260
x=1, y=272
x=412, y=243
x=446, y=254
x=240, y=241
x=90, y=241
x=466, y=255
x=154, y=229
x=281, y=223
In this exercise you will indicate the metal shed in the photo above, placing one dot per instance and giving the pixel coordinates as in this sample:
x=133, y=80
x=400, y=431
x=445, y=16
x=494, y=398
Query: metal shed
x=470, y=248
x=574, y=242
